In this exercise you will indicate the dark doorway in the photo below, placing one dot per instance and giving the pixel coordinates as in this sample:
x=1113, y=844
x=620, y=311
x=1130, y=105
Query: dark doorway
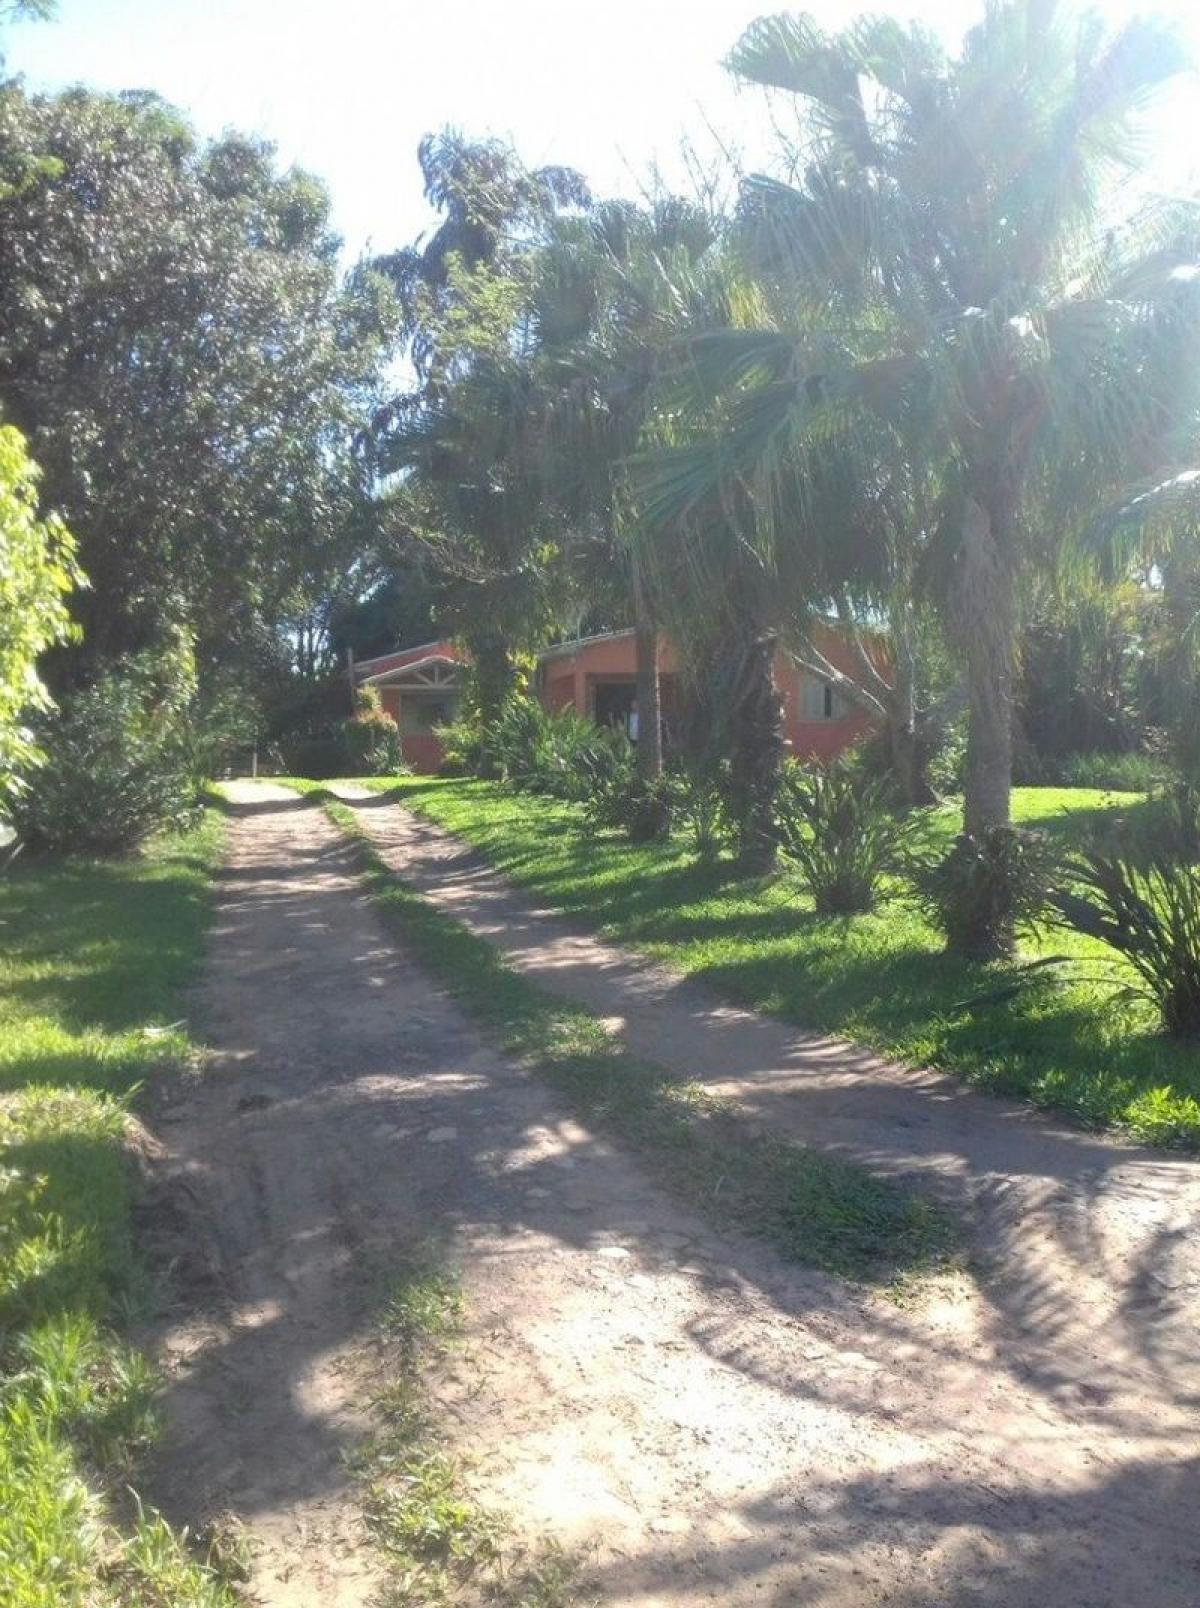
x=613, y=703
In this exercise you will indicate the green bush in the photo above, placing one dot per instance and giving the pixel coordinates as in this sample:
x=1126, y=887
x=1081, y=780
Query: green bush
x=122, y=759
x=370, y=739
x=840, y=829
x=1119, y=773
x=558, y=753
x=988, y=888
x=1145, y=904
x=697, y=794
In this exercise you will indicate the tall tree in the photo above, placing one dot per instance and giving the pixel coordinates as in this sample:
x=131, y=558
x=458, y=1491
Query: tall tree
x=944, y=257
x=37, y=572
x=178, y=346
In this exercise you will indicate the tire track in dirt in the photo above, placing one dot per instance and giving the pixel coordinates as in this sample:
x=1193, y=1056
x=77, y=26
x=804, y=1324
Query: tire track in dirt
x=718, y=1426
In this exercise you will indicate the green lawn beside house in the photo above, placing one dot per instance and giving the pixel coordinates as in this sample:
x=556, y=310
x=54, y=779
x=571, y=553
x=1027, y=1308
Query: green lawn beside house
x=879, y=979
x=94, y=962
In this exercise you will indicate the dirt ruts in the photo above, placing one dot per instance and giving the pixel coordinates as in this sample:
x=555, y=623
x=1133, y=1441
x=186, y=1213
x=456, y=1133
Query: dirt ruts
x=706, y=1423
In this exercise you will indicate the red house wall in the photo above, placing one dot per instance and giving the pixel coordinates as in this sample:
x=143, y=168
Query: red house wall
x=567, y=681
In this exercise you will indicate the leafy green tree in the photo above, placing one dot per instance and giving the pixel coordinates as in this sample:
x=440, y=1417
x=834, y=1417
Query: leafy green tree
x=943, y=261
x=37, y=573
x=188, y=364
x=611, y=287
x=461, y=454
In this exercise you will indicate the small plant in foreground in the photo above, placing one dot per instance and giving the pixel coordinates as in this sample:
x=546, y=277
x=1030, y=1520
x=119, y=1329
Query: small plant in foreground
x=841, y=831
x=1148, y=910
x=988, y=888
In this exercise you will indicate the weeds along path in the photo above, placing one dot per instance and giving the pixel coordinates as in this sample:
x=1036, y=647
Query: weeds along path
x=1081, y=1328
x=700, y=1421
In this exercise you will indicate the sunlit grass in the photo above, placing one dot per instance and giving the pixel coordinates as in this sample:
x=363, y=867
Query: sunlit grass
x=880, y=979
x=94, y=959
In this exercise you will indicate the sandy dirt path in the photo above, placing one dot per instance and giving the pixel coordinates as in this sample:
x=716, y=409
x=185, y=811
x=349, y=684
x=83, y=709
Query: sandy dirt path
x=720, y=1427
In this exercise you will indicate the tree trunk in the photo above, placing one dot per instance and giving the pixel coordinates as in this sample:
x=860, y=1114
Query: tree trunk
x=494, y=678
x=652, y=821
x=985, y=611
x=649, y=687
x=755, y=755
x=910, y=760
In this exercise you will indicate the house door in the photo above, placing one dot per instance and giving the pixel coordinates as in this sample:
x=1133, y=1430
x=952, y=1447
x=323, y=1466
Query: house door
x=613, y=703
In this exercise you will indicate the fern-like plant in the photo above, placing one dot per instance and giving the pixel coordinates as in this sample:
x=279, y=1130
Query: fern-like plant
x=840, y=829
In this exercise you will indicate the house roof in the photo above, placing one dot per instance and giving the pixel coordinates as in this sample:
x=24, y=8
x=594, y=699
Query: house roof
x=411, y=667
x=397, y=653
x=561, y=649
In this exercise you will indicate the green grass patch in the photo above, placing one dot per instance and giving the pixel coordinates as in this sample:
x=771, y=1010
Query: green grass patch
x=816, y=1208
x=879, y=979
x=437, y=1539
x=94, y=958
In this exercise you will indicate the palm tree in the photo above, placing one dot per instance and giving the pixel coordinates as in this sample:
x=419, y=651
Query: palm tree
x=606, y=304
x=942, y=261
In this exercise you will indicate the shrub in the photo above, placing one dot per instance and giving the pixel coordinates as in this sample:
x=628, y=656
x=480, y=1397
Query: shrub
x=122, y=760
x=1146, y=906
x=370, y=738
x=1119, y=773
x=462, y=748
x=560, y=753
x=698, y=805
x=841, y=830
x=988, y=888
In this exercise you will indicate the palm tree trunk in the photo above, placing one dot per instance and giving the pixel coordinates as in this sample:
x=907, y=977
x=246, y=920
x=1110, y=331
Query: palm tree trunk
x=494, y=677
x=654, y=817
x=756, y=752
x=648, y=689
x=910, y=762
x=985, y=613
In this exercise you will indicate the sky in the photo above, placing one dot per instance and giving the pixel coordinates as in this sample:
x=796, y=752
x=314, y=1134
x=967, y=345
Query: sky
x=346, y=88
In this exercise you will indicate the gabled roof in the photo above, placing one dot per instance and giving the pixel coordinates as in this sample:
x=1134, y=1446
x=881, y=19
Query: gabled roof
x=412, y=667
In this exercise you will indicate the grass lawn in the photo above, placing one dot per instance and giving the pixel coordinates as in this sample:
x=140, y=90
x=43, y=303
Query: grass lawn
x=880, y=979
x=94, y=959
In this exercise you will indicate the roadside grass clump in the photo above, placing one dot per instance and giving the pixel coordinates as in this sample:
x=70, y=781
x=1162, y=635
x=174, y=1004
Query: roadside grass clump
x=842, y=832
x=816, y=1208
x=438, y=1540
x=1079, y=1045
x=94, y=962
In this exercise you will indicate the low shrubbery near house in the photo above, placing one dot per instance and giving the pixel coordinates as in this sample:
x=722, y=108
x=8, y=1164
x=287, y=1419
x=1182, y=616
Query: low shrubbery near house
x=370, y=738
x=842, y=831
x=1122, y=773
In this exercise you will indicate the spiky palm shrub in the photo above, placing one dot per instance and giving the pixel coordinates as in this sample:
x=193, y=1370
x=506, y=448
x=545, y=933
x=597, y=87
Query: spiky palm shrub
x=841, y=830
x=941, y=279
x=1148, y=910
x=991, y=885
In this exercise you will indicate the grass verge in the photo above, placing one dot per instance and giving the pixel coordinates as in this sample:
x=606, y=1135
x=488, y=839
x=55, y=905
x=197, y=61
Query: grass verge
x=95, y=958
x=880, y=979
x=815, y=1208
x=437, y=1539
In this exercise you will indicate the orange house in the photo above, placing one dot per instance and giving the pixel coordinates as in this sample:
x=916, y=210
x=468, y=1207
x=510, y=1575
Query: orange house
x=596, y=676
x=420, y=688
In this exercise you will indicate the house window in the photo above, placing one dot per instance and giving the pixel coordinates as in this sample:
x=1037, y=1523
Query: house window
x=420, y=714
x=820, y=701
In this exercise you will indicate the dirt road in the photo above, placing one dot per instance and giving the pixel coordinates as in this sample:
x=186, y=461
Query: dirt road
x=721, y=1427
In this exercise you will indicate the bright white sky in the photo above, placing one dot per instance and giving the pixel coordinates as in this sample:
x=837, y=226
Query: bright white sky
x=346, y=88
